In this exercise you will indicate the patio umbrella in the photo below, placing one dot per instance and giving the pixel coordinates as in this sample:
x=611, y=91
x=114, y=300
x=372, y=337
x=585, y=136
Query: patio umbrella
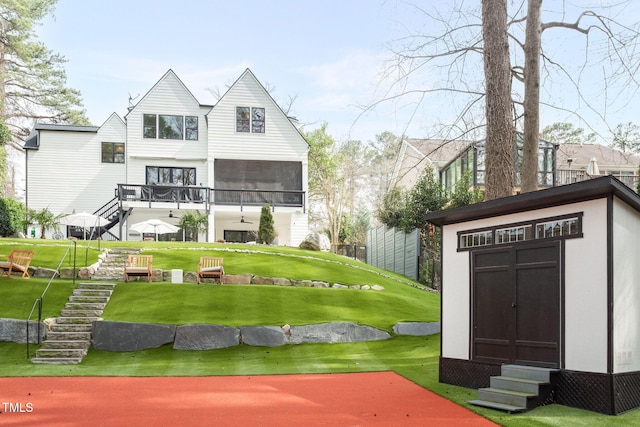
x=154, y=225
x=84, y=220
x=592, y=168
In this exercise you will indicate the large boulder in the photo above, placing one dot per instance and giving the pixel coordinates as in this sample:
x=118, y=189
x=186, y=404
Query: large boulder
x=126, y=336
x=14, y=330
x=417, y=328
x=267, y=336
x=316, y=242
x=335, y=332
x=205, y=337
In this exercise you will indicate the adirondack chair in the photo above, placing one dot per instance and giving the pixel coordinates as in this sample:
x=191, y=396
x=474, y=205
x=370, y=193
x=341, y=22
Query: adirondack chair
x=211, y=268
x=138, y=265
x=17, y=261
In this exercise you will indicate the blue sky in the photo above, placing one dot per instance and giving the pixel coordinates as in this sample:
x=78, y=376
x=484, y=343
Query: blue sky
x=327, y=54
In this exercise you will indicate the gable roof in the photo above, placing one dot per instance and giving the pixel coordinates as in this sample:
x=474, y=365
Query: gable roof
x=169, y=74
x=607, y=157
x=248, y=73
x=555, y=196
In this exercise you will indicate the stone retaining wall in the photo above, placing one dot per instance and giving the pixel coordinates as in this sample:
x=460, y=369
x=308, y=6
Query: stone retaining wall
x=14, y=330
x=124, y=336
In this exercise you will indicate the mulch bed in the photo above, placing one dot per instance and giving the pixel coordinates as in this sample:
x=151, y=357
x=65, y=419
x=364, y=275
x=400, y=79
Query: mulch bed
x=379, y=398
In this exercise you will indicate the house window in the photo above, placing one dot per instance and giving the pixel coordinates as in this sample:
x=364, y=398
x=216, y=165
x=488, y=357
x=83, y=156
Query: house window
x=150, y=127
x=191, y=127
x=562, y=227
x=112, y=152
x=171, y=127
x=250, y=119
x=157, y=175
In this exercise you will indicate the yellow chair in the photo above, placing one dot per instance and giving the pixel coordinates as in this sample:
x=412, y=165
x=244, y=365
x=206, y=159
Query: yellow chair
x=211, y=268
x=138, y=265
x=17, y=261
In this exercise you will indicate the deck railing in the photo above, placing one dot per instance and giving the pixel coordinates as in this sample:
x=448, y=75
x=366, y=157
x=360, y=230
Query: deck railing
x=565, y=176
x=178, y=195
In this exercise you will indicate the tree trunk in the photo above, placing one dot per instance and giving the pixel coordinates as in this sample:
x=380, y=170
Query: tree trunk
x=497, y=71
x=529, y=173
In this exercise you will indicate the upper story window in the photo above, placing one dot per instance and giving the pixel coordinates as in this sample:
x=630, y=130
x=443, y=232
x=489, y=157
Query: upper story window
x=157, y=175
x=167, y=126
x=112, y=152
x=250, y=119
x=562, y=227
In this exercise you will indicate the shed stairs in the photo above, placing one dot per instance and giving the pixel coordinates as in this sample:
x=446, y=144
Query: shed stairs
x=69, y=337
x=112, y=267
x=518, y=389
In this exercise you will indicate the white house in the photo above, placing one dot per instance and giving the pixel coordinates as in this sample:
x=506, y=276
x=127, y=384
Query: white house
x=170, y=155
x=547, y=279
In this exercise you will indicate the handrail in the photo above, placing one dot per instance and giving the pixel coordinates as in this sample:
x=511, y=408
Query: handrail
x=38, y=301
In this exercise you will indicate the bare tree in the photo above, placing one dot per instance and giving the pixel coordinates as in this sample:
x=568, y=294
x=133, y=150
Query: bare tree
x=455, y=44
x=532, y=48
x=497, y=71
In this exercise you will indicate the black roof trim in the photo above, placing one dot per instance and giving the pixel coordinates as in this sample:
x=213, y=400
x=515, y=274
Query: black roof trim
x=556, y=196
x=68, y=128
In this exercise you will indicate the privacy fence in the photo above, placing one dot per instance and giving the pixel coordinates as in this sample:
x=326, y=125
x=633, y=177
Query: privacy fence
x=394, y=250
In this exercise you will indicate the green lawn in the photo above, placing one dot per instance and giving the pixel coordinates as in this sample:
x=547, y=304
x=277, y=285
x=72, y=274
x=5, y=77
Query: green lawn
x=416, y=358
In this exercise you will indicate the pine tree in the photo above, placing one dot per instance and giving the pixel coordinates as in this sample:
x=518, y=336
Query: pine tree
x=266, y=233
x=32, y=78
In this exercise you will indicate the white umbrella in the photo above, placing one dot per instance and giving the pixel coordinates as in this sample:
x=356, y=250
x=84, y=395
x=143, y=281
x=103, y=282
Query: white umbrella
x=592, y=168
x=84, y=220
x=154, y=225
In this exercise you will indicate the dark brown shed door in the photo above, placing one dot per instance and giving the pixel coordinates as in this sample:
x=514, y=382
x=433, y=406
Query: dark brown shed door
x=516, y=305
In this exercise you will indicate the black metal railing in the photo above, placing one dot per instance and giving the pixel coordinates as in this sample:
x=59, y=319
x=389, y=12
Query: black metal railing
x=259, y=198
x=175, y=194
x=565, y=176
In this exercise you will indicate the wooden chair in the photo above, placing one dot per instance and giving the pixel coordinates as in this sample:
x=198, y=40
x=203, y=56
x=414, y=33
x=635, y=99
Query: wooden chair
x=211, y=268
x=17, y=261
x=138, y=265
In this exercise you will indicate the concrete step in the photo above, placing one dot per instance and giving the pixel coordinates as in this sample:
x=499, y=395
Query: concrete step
x=506, y=397
x=57, y=360
x=68, y=336
x=517, y=384
x=70, y=327
x=88, y=299
x=76, y=320
x=65, y=344
x=61, y=352
x=85, y=306
x=527, y=372
x=80, y=313
x=92, y=292
x=511, y=409
x=94, y=285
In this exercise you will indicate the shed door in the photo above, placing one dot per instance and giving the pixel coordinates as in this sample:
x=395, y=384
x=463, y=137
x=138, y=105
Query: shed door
x=516, y=305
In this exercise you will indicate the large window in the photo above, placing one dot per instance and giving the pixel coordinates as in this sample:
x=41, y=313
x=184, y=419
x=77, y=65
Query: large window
x=112, y=152
x=250, y=119
x=157, y=175
x=167, y=126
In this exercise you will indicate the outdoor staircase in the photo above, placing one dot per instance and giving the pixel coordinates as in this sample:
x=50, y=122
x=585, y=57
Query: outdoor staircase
x=112, y=267
x=518, y=389
x=69, y=338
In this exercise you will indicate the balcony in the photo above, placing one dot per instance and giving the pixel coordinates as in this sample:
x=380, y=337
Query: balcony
x=564, y=176
x=203, y=195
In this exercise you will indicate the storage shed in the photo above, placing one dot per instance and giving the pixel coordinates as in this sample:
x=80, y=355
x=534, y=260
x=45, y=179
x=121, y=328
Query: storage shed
x=546, y=279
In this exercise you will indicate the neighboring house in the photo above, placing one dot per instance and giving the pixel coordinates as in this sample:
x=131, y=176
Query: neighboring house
x=549, y=279
x=558, y=164
x=172, y=155
x=577, y=162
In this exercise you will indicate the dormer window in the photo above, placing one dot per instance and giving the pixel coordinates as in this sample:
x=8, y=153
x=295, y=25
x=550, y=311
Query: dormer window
x=250, y=119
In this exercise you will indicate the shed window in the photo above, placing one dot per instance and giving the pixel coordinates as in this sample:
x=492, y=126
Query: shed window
x=561, y=227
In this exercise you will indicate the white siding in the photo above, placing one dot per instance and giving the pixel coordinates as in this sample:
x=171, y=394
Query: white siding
x=281, y=140
x=66, y=173
x=626, y=305
x=585, y=287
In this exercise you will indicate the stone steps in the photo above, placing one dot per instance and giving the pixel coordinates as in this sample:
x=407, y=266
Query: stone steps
x=112, y=267
x=69, y=338
x=518, y=389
